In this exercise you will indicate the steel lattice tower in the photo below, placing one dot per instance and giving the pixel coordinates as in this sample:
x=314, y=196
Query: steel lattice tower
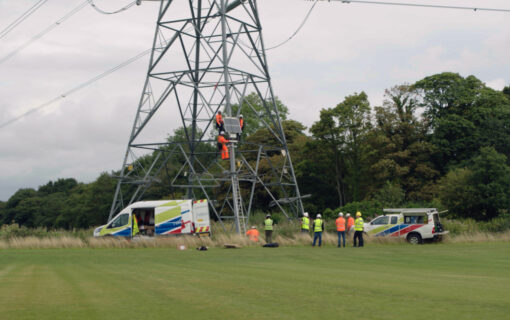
x=208, y=56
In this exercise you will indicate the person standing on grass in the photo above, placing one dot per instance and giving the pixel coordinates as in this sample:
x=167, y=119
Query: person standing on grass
x=358, y=230
x=318, y=227
x=350, y=223
x=340, y=228
x=253, y=234
x=305, y=223
x=268, y=227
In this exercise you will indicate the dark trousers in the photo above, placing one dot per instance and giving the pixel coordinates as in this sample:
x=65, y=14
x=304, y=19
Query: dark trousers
x=341, y=235
x=269, y=233
x=317, y=235
x=358, y=235
x=305, y=231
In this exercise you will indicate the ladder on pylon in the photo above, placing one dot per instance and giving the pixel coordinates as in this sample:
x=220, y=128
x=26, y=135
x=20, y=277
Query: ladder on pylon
x=238, y=206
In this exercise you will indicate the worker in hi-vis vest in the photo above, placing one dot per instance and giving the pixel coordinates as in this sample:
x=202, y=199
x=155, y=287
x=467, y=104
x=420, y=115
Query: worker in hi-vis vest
x=305, y=223
x=340, y=229
x=350, y=223
x=241, y=124
x=219, y=122
x=268, y=228
x=222, y=146
x=318, y=227
x=135, y=226
x=253, y=234
x=358, y=230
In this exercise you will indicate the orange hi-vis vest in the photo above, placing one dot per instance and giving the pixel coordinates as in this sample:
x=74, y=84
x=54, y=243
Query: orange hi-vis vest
x=219, y=119
x=253, y=234
x=350, y=223
x=222, y=140
x=241, y=123
x=340, y=224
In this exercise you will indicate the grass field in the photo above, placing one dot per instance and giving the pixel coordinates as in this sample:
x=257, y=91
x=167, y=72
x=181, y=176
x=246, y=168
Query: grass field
x=445, y=281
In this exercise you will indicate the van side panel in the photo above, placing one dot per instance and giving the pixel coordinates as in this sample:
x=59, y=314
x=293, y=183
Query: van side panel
x=173, y=218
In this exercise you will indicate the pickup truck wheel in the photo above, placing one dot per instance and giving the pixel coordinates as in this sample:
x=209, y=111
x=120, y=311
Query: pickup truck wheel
x=414, y=238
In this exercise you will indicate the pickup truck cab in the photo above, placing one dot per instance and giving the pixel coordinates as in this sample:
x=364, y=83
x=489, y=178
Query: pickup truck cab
x=415, y=225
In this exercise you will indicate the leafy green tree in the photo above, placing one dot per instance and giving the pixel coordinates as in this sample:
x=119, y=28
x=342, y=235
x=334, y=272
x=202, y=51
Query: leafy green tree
x=340, y=138
x=481, y=190
x=402, y=155
x=328, y=146
x=353, y=116
x=506, y=91
x=464, y=115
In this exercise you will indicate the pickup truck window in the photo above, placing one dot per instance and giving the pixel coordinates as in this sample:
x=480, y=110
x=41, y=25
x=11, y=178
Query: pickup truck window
x=394, y=220
x=380, y=221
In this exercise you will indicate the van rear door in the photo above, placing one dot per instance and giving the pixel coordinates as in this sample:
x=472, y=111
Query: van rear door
x=201, y=219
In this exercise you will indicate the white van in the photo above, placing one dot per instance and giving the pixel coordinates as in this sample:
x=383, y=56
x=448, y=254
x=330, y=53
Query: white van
x=160, y=218
x=415, y=224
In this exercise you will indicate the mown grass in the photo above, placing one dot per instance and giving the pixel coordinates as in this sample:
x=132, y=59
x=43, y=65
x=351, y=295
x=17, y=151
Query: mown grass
x=462, y=281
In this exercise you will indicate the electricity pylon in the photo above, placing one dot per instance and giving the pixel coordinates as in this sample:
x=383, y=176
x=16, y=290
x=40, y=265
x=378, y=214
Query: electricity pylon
x=207, y=56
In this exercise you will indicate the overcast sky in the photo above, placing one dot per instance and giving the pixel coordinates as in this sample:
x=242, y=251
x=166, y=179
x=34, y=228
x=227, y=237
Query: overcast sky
x=344, y=48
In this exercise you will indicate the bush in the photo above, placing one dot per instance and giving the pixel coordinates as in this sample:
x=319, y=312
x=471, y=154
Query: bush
x=367, y=208
x=328, y=214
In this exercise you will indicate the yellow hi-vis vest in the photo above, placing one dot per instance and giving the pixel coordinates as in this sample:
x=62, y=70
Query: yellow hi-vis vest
x=318, y=225
x=268, y=224
x=305, y=223
x=135, y=226
x=358, y=224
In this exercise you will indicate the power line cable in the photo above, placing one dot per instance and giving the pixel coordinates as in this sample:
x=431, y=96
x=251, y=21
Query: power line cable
x=422, y=5
x=80, y=86
x=45, y=31
x=93, y=5
x=298, y=29
x=76, y=88
x=22, y=18
x=381, y=3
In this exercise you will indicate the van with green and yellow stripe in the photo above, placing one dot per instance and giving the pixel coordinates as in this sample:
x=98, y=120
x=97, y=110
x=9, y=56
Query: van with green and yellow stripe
x=159, y=218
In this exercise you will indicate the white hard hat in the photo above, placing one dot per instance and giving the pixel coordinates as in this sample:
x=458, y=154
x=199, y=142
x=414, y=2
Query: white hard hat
x=340, y=214
x=348, y=215
x=222, y=132
x=253, y=227
x=240, y=116
x=318, y=215
x=305, y=214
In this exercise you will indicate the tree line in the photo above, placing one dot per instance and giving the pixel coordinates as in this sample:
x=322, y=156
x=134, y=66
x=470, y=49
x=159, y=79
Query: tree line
x=443, y=141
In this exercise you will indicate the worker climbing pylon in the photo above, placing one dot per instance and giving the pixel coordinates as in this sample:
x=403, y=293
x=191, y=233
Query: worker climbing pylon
x=219, y=122
x=222, y=145
x=241, y=124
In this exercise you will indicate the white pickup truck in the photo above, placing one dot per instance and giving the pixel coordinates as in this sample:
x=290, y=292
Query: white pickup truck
x=415, y=224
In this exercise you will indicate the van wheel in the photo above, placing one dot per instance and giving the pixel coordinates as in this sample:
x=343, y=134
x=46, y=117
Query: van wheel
x=414, y=238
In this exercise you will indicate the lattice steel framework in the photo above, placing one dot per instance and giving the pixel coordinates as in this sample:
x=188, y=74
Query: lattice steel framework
x=207, y=56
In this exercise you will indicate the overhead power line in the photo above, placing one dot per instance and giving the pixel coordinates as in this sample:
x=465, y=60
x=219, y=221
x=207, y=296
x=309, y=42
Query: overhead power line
x=22, y=18
x=76, y=88
x=93, y=5
x=45, y=31
x=382, y=3
x=422, y=5
x=298, y=29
